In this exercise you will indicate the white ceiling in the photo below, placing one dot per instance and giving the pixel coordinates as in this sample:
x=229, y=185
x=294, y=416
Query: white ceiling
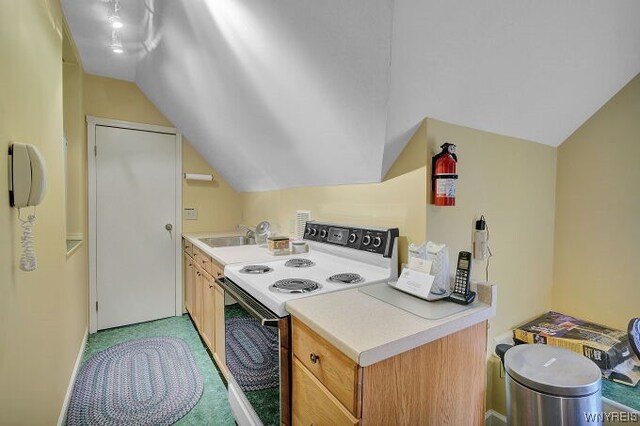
x=300, y=92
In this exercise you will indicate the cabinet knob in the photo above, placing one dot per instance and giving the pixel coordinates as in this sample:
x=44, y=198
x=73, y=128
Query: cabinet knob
x=314, y=358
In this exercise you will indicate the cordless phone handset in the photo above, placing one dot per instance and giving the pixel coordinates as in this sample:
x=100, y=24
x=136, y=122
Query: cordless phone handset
x=462, y=293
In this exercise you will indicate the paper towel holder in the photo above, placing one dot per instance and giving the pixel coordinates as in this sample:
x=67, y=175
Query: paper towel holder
x=197, y=176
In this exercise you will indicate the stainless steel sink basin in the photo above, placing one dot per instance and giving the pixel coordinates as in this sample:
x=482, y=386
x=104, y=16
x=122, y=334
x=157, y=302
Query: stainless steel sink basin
x=228, y=241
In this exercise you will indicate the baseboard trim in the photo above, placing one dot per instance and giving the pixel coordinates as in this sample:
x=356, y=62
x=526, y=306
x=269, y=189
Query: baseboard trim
x=493, y=418
x=74, y=373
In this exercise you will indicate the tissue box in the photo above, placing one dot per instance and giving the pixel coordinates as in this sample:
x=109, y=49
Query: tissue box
x=278, y=245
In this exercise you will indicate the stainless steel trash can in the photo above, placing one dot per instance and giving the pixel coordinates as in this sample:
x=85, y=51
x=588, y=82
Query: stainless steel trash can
x=547, y=385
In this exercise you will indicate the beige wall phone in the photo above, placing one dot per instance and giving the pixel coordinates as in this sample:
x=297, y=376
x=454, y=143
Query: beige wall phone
x=27, y=187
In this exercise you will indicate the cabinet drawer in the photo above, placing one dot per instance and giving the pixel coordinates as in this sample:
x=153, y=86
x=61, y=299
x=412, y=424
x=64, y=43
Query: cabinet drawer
x=205, y=261
x=331, y=367
x=313, y=404
x=196, y=254
x=187, y=247
x=202, y=259
x=215, y=269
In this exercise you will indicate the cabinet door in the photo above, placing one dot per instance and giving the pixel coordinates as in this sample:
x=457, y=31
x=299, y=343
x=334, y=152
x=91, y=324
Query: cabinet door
x=199, y=296
x=219, y=352
x=313, y=404
x=208, y=316
x=331, y=367
x=189, y=284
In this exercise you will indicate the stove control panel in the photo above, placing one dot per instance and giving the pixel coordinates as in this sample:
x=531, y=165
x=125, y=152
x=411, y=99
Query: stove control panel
x=378, y=241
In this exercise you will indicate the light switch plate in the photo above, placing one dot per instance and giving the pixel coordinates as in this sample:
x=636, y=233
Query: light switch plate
x=190, y=213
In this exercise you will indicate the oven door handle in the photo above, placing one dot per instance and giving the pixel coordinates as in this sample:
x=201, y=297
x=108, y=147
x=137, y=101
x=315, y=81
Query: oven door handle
x=266, y=317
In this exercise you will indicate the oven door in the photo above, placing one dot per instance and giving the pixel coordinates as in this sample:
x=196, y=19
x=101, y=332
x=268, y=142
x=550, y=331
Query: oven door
x=257, y=356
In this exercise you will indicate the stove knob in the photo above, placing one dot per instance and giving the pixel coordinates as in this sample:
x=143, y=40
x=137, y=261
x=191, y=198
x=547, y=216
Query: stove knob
x=353, y=238
x=366, y=240
x=314, y=231
x=377, y=241
x=308, y=231
x=323, y=233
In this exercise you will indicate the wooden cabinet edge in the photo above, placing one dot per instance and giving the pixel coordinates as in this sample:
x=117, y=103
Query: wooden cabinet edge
x=221, y=366
x=456, y=376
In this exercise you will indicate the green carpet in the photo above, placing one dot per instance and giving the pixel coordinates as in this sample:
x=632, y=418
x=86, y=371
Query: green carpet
x=623, y=394
x=213, y=408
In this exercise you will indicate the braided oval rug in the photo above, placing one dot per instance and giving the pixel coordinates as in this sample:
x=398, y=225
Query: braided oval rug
x=252, y=354
x=149, y=381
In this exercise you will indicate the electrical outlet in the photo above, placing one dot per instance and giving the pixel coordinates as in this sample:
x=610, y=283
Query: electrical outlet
x=190, y=213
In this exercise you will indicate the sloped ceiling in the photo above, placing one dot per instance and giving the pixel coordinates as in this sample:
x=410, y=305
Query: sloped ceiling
x=299, y=92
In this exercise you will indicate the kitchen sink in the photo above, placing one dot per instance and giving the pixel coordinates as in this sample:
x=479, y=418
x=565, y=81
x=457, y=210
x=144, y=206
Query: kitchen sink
x=228, y=241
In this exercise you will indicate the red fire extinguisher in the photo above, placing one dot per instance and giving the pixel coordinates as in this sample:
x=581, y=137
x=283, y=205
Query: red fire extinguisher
x=444, y=177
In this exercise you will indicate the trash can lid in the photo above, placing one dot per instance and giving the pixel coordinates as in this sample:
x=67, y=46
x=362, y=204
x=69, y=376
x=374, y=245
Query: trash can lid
x=552, y=370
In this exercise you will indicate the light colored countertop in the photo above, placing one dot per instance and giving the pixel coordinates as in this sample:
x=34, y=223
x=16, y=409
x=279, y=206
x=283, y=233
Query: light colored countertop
x=233, y=254
x=364, y=328
x=368, y=330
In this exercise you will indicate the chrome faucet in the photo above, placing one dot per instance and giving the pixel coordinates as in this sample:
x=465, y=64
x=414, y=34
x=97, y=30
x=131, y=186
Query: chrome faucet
x=249, y=233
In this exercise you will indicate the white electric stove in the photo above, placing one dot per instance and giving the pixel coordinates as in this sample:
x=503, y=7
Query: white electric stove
x=276, y=282
x=339, y=258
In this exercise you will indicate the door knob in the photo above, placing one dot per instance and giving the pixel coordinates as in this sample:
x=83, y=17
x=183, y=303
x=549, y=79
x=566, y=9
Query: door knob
x=168, y=227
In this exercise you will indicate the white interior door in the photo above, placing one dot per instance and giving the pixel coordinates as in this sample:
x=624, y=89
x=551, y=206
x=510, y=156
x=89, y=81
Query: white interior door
x=135, y=204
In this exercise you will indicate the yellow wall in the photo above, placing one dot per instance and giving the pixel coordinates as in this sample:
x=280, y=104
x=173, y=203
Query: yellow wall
x=218, y=204
x=512, y=182
x=74, y=130
x=598, y=214
x=43, y=314
x=399, y=201
x=119, y=100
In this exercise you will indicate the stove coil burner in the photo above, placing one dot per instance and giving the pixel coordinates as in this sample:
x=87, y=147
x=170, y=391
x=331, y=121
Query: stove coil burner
x=256, y=269
x=294, y=285
x=346, y=278
x=299, y=263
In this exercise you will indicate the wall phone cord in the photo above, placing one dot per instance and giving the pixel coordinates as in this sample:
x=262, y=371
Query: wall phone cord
x=490, y=254
x=28, y=261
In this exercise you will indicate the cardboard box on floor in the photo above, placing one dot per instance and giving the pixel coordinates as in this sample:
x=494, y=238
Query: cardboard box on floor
x=608, y=347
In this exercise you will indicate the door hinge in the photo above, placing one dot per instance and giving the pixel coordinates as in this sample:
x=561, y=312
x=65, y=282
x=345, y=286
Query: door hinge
x=96, y=305
x=95, y=150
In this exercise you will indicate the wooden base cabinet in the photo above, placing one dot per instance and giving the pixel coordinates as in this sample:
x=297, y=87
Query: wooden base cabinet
x=439, y=383
x=204, y=300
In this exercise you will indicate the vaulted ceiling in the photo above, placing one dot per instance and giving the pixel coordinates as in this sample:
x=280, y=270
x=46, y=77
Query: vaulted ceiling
x=304, y=92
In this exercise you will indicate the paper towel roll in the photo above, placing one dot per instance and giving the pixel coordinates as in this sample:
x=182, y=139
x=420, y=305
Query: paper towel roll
x=195, y=176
